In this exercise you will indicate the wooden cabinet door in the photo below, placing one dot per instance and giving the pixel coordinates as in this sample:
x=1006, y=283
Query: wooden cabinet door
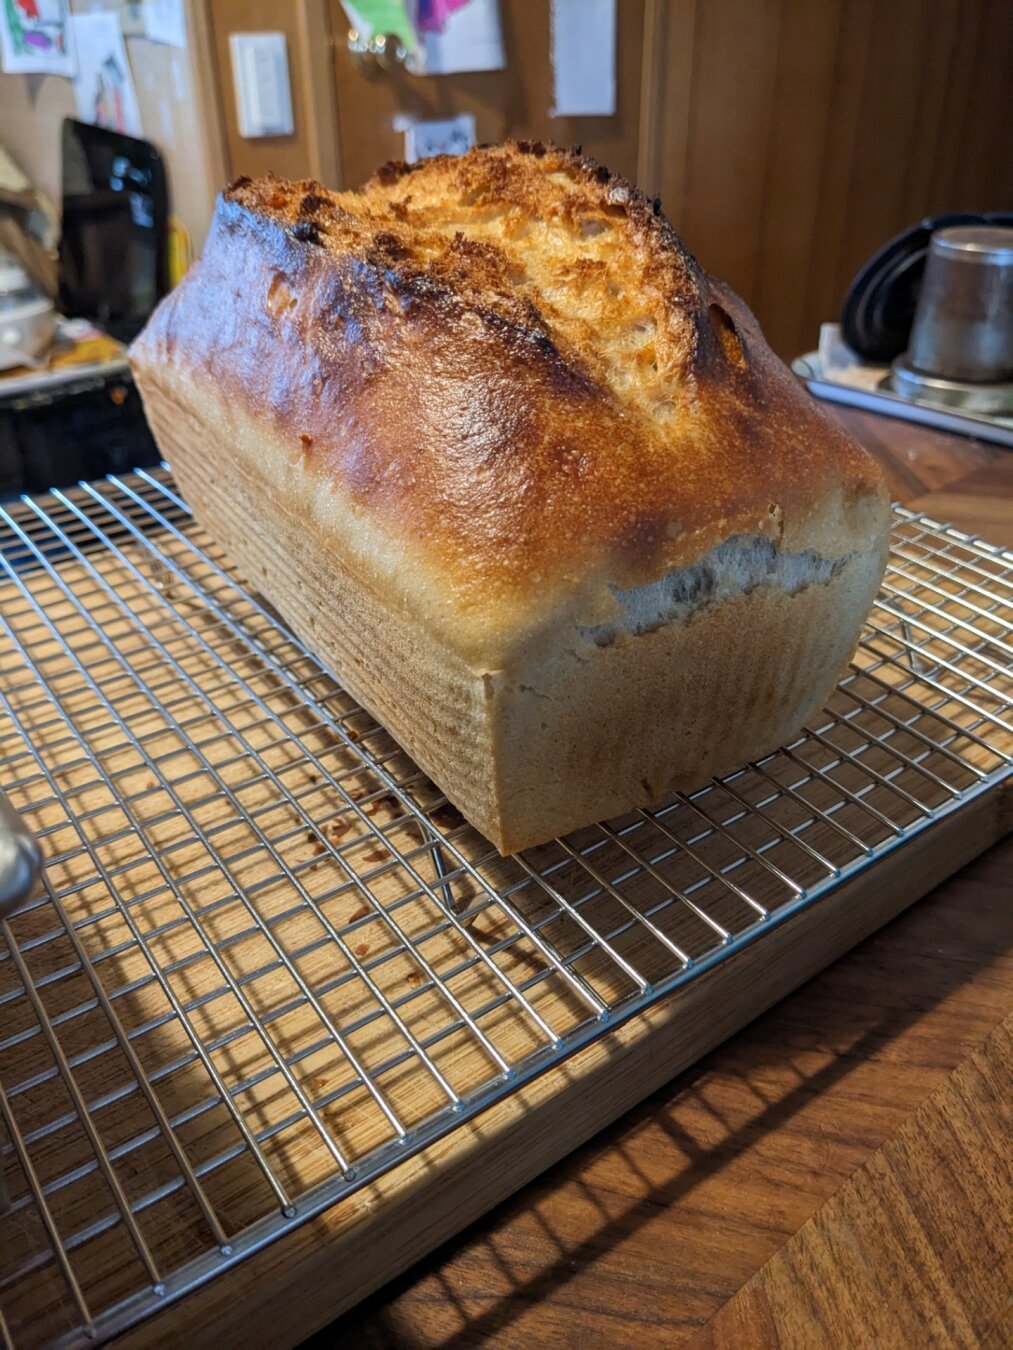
x=513, y=102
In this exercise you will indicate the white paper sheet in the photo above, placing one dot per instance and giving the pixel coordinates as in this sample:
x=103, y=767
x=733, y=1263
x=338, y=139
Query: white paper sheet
x=471, y=40
x=165, y=21
x=583, y=58
x=444, y=136
x=104, y=84
x=35, y=38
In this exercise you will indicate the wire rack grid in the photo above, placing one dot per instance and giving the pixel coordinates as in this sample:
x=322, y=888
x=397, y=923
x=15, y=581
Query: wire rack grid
x=269, y=960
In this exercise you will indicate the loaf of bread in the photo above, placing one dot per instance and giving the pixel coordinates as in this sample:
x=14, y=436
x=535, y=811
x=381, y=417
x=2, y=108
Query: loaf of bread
x=525, y=478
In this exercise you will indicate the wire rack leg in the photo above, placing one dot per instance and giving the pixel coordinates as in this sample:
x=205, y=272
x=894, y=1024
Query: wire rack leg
x=442, y=870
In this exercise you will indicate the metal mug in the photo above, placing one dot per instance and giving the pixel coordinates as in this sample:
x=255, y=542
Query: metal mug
x=963, y=324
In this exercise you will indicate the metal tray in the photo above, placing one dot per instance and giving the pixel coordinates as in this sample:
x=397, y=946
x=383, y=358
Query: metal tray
x=268, y=962
x=882, y=398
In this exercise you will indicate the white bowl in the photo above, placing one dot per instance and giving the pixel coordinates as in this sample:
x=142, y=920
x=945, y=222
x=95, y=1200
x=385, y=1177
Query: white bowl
x=26, y=331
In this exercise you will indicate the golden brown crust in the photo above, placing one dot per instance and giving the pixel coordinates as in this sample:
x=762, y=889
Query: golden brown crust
x=512, y=374
x=563, y=734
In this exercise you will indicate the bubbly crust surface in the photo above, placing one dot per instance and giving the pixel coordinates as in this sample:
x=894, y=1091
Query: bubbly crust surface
x=510, y=389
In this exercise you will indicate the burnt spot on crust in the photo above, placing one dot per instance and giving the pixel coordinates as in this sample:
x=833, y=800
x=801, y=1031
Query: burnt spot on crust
x=482, y=253
x=312, y=202
x=394, y=170
x=390, y=172
x=387, y=249
x=308, y=232
x=242, y=181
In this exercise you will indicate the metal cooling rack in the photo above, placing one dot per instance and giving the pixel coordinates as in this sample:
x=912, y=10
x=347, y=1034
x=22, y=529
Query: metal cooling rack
x=269, y=961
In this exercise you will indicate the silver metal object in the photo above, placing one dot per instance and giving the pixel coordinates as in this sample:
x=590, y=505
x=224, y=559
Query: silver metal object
x=265, y=936
x=981, y=400
x=20, y=859
x=963, y=324
x=884, y=399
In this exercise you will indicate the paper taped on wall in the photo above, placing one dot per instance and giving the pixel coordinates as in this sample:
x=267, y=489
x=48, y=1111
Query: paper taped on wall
x=583, y=48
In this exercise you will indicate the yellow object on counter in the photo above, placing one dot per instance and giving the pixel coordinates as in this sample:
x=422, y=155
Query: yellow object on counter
x=180, y=251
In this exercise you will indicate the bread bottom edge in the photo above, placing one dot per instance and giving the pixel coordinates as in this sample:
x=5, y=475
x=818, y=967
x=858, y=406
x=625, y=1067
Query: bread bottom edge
x=573, y=733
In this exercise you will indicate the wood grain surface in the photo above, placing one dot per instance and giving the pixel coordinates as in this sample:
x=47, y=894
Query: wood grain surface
x=643, y=1235
x=639, y=1237
x=312, y=151
x=347, y=1252
x=927, y=1214
x=755, y=1200
x=513, y=102
x=796, y=139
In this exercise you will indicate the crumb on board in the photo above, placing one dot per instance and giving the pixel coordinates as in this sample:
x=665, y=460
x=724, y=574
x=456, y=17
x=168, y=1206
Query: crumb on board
x=361, y=949
x=345, y=734
x=376, y=855
x=414, y=978
x=316, y=842
x=360, y=913
x=338, y=827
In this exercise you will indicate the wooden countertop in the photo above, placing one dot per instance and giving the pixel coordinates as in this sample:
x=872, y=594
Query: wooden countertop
x=832, y=1175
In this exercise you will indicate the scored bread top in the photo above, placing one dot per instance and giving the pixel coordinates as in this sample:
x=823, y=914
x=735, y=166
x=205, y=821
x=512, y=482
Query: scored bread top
x=506, y=376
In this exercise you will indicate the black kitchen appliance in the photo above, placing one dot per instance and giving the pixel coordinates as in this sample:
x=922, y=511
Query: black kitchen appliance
x=113, y=256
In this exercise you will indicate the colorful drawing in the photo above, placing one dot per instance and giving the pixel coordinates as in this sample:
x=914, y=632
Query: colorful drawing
x=104, y=86
x=33, y=37
x=109, y=109
x=433, y=14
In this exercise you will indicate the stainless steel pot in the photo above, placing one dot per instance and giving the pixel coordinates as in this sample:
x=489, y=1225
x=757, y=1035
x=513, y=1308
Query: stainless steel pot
x=963, y=325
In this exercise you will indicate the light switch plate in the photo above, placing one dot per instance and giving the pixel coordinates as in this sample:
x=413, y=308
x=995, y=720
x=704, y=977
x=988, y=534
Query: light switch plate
x=260, y=78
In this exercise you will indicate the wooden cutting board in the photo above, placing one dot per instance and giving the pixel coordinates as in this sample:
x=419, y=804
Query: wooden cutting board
x=924, y=1225
x=124, y=720
x=305, y=1280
